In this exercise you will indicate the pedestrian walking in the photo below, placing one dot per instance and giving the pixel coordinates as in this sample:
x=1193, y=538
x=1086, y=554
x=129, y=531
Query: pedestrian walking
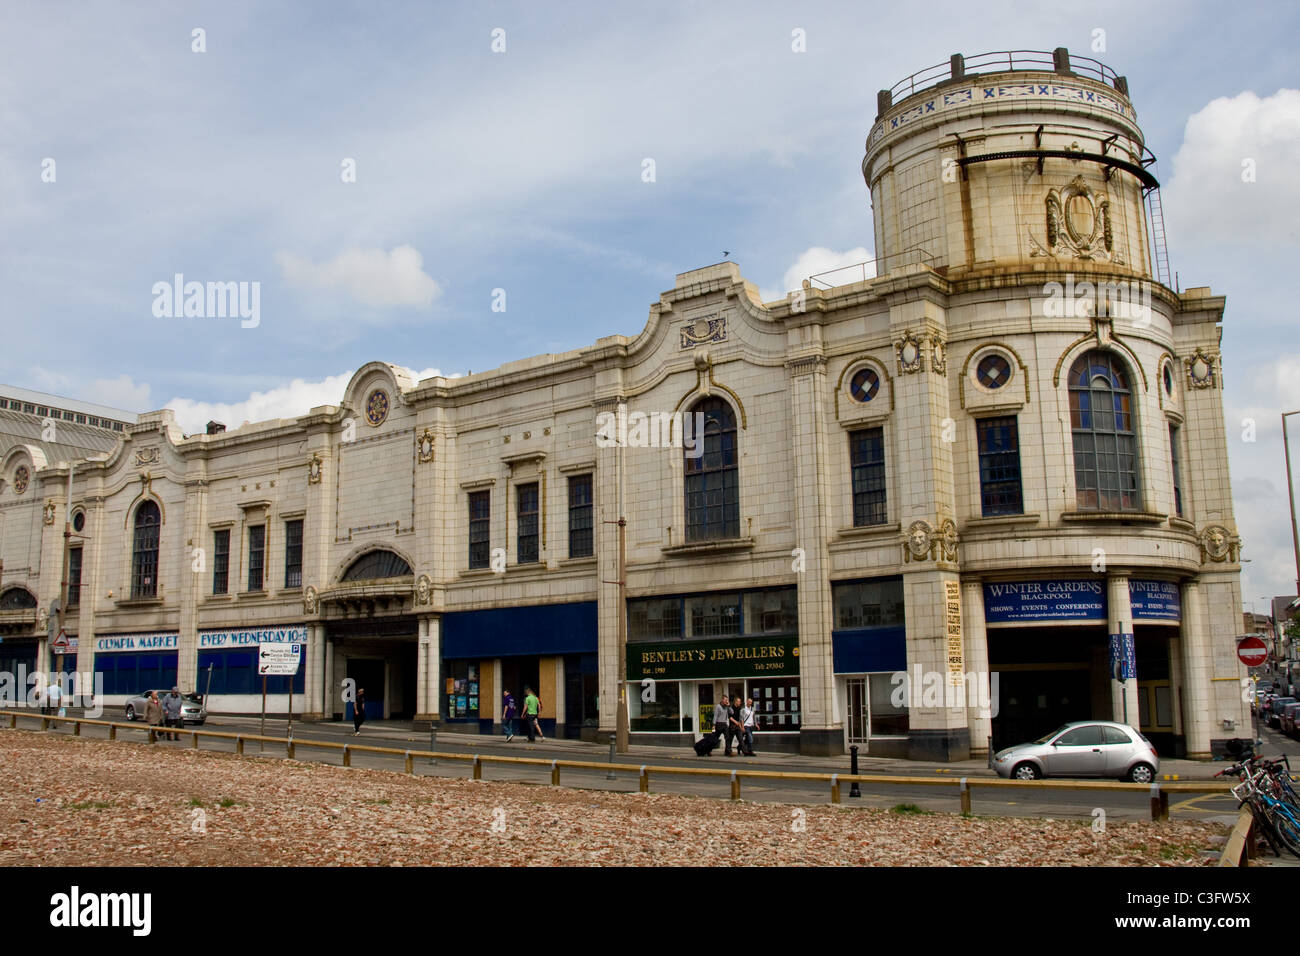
x=171, y=705
x=735, y=729
x=721, y=712
x=747, y=721
x=508, y=715
x=153, y=713
x=54, y=698
x=358, y=712
x=532, y=715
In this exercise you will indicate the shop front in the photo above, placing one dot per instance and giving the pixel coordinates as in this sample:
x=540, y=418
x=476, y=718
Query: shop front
x=227, y=671
x=686, y=652
x=1057, y=644
x=869, y=647
x=550, y=648
x=129, y=664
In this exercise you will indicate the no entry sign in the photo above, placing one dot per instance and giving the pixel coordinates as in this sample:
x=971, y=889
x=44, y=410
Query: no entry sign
x=1251, y=651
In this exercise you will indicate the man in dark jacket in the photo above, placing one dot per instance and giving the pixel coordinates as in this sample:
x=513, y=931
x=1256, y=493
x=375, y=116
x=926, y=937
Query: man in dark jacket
x=358, y=712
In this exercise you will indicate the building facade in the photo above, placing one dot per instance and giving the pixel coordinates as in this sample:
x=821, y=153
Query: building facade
x=939, y=505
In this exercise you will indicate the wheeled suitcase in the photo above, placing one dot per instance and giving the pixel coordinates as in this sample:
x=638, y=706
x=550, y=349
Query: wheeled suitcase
x=705, y=745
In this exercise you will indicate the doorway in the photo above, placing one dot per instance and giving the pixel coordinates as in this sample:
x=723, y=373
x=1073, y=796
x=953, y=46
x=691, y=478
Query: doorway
x=369, y=676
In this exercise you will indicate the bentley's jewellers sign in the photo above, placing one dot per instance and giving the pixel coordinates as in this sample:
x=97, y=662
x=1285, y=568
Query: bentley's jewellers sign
x=748, y=657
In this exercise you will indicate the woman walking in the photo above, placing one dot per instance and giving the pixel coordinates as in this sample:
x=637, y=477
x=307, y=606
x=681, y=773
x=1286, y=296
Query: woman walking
x=153, y=713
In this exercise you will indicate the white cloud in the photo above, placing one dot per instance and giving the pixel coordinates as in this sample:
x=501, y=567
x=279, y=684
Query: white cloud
x=1207, y=193
x=120, y=392
x=819, y=259
x=285, y=401
x=370, y=276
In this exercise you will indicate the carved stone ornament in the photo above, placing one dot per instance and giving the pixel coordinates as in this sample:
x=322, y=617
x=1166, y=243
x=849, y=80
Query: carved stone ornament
x=908, y=350
x=424, y=446
x=423, y=590
x=938, y=355
x=310, y=600
x=43, y=619
x=917, y=546
x=1218, y=544
x=48, y=512
x=947, y=539
x=1077, y=224
x=707, y=328
x=147, y=456
x=314, y=469
x=146, y=482
x=1200, y=369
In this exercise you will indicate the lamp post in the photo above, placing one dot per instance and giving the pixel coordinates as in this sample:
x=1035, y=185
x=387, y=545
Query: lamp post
x=1290, y=497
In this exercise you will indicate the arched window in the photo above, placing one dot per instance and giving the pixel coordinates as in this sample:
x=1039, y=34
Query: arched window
x=712, y=478
x=1105, y=445
x=17, y=599
x=144, y=560
x=374, y=565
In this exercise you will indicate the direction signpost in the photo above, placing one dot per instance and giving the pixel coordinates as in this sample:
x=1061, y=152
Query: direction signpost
x=276, y=658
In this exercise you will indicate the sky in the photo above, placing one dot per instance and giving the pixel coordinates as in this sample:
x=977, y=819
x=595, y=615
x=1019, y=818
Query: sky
x=387, y=172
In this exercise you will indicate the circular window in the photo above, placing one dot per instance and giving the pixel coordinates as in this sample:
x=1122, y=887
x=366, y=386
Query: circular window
x=21, y=478
x=864, y=385
x=79, y=521
x=377, y=407
x=993, y=371
x=1169, y=380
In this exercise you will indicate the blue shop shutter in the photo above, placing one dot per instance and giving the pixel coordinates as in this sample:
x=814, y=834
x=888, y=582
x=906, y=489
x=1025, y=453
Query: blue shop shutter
x=869, y=650
x=548, y=629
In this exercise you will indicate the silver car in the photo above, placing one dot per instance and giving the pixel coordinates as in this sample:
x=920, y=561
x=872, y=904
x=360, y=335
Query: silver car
x=192, y=710
x=1084, y=748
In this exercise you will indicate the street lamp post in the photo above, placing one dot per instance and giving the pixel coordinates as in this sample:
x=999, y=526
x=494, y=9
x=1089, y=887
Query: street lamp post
x=1290, y=497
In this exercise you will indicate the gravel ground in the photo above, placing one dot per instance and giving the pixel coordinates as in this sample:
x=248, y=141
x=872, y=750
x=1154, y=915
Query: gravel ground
x=73, y=802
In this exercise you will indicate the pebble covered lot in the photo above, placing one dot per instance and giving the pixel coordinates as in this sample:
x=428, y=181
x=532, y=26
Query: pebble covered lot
x=74, y=802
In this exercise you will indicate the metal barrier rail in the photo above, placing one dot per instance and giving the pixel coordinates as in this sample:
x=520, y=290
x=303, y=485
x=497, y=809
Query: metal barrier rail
x=1159, y=792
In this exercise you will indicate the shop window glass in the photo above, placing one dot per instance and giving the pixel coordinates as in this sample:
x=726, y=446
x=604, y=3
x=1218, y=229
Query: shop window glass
x=888, y=719
x=713, y=615
x=655, y=619
x=868, y=603
x=662, y=715
x=772, y=612
x=776, y=701
x=460, y=687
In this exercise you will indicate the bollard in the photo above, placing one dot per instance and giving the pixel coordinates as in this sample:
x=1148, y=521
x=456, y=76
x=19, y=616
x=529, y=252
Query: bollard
x=194, y=740
x=1155, y=801
x=853, y=788
x=835, y=788
x=644, y=780
x=410, y=763
x=965, y=797
x=239, y=745
x=347, y=755
x=478, y=768
x=612, y=742
x=555, y=773
x=433, y=741
x=735, y=786
x=76, y=728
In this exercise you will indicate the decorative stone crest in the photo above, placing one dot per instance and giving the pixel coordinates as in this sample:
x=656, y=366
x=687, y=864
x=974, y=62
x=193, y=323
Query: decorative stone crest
x=908, y=351
x=1078, y=224
x=938, y=355
x=707, y=328
x=423, y=590
x=43, y=619
x=147, y=456
x=917, y=545
x=146, y=482
x=310, y=600
x=1200, y=368
x=48, y=512
x=314, y=469
x=947, y=540
x=424, y=446
x=1218, y=544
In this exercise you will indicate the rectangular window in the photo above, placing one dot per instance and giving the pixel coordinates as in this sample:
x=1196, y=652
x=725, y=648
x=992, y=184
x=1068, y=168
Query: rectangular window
x=999, y=446
x=888, y=716
x=1176, y=462
x=868, y=603
x=480, y=521
x=662, y=714
x=74, y=577
x=867, y=451
x=772, y=612
x=256, y=556
x=713, y=615
x=581, y=541
x=221, y=561
x=654, y=619
x=293, y=554
x=776, y=703
x=526, y=517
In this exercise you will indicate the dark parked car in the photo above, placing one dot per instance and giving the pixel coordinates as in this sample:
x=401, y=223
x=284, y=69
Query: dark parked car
x=1287, y=719
x=1273, y=710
